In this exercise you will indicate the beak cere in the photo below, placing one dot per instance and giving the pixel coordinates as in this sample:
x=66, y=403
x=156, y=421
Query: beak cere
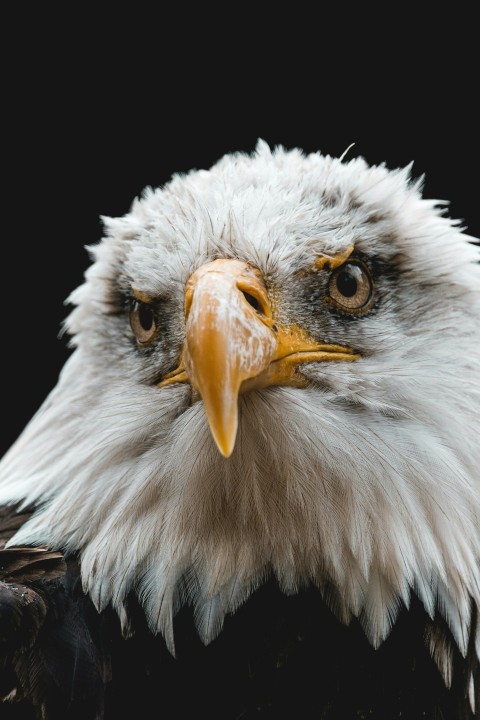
x=229, y=339
x=233, y=345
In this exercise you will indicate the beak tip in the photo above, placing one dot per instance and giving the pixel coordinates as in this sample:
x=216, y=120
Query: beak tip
x=222, y=418
x=226, y=445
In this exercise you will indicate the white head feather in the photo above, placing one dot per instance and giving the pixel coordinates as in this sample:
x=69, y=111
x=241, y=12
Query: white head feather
x=366, y=481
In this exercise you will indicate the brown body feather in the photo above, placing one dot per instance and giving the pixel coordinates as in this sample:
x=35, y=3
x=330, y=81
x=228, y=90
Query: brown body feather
x=277, y=657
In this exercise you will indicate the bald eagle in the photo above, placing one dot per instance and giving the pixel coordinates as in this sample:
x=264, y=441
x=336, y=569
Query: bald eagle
x=255, y=490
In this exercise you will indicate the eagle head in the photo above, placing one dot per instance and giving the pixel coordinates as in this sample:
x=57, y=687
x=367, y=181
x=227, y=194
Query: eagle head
x=276, y=372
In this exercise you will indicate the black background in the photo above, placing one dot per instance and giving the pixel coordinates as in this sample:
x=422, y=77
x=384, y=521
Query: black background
x=96, y=109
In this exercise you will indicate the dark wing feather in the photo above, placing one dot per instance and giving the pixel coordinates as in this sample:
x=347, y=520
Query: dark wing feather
x=11, y=519
x=53, y=659
x=22, y=608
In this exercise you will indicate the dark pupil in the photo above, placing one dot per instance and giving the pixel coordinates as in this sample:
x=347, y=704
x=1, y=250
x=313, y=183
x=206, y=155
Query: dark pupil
x=145, y=317
x=346, y=284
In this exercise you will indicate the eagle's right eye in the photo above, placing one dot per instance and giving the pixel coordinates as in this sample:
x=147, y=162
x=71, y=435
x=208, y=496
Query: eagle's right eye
x=142, y=322
x=350, y=288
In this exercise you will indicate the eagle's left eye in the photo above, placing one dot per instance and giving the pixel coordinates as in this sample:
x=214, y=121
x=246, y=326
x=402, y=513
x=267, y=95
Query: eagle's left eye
x=350, y=287
x=142, y=322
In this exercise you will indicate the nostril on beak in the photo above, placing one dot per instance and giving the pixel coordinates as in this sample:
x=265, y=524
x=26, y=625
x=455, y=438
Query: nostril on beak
x=252, y=300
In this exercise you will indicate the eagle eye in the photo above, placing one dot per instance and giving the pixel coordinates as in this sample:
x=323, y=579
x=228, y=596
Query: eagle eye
x=142, y=322
x=350, y=287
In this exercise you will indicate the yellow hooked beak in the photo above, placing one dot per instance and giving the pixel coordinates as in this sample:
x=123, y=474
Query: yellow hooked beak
x=233, y=344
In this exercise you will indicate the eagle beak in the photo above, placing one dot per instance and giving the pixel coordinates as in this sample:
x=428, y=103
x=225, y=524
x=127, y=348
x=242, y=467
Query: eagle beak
x=233, y=344
x=228, y=340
